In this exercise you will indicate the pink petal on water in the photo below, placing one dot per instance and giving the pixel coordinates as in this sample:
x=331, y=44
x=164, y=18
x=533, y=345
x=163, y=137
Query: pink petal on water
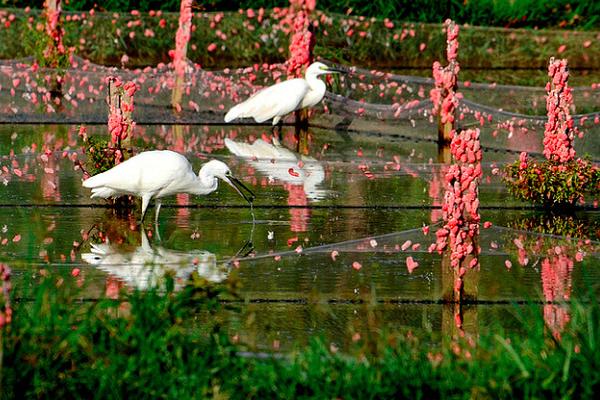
x=334, y=254
x=411, y=264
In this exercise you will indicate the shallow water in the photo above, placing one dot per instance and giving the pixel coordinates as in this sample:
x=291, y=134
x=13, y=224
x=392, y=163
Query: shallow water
x=323, y=252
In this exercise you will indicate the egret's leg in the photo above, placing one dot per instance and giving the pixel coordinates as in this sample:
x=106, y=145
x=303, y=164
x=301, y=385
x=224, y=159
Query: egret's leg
x=158, y=204
x=277, y=126
x=145, y=202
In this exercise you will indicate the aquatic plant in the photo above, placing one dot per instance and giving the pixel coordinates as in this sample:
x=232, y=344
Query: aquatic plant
x=104, y=153
x=562, y=179
x=553, y=184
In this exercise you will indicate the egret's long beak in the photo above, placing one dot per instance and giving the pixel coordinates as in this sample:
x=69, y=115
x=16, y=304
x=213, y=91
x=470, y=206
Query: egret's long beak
x=331, y=70
x=240, y=188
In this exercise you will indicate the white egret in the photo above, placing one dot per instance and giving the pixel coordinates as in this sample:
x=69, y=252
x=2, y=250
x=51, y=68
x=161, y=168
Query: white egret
x=159, y=173
x=274, y=102
x=144, y=267
x=277, y=162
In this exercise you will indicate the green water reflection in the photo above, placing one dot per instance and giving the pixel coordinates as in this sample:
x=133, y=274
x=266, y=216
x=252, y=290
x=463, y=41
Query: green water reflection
x=328, y=257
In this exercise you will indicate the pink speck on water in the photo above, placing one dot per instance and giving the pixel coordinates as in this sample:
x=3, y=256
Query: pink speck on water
x=411, y=264
x=334, y=254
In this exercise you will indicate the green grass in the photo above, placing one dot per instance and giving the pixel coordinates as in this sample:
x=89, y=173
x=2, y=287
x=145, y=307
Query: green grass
x=350, y=40
x=155, y=345
x=580, y=14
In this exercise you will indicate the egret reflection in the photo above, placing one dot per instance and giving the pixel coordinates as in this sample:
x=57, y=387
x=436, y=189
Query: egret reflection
x=281, y=164
x=145, y=266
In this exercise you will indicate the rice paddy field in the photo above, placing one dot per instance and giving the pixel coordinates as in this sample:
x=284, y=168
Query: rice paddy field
x=332, y=283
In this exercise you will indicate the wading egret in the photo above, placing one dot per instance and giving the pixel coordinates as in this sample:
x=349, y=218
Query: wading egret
x=285, y=97
x=160, y=173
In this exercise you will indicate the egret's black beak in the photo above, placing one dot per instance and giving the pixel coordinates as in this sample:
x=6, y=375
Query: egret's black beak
x=240, y=188
x=336, y=70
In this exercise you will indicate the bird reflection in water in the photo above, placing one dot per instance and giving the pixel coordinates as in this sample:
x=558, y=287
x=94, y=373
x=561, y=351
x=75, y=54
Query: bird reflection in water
x=145, y=266
x=300, y=175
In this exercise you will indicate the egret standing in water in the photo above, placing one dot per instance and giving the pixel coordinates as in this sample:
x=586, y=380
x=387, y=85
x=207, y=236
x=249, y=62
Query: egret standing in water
x=274, y=102
x=160, y=173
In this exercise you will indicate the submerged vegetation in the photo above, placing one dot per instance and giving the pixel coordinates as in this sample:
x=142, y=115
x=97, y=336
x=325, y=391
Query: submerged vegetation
x=164, y=343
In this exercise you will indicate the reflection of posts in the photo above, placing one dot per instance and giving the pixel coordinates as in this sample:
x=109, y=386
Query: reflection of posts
x=556, y=284
x=5, y=307
x=301, y=175
x=183, y=212
x=299, y=216
x=50, y=181
x=182, y=38
x=436, y=191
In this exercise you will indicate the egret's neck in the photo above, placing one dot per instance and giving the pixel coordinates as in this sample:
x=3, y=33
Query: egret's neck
x=316, y=92
x=314, y=83
x=206, y=183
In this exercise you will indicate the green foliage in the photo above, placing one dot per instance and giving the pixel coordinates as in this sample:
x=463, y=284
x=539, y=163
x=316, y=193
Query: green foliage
x=551, y=183
x=562, y=225
x=167, y=344
x=101, y=154
x=140, y=345
x=581, y=14
x=146, y=40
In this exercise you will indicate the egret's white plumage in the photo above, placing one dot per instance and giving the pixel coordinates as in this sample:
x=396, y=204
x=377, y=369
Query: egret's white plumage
x=276, y=161
x=160, y=173
x=274, y=102
x=144, y=267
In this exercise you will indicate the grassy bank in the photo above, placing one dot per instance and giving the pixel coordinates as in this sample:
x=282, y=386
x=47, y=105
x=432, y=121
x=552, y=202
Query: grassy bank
x=580, y=14
x=155, y=345
x=221, y=40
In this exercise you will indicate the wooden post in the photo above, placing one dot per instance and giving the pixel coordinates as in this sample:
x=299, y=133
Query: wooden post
x=182, y=39
x=120, y=115
x=444, y=94
x=301, y=47
x=55, y=50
